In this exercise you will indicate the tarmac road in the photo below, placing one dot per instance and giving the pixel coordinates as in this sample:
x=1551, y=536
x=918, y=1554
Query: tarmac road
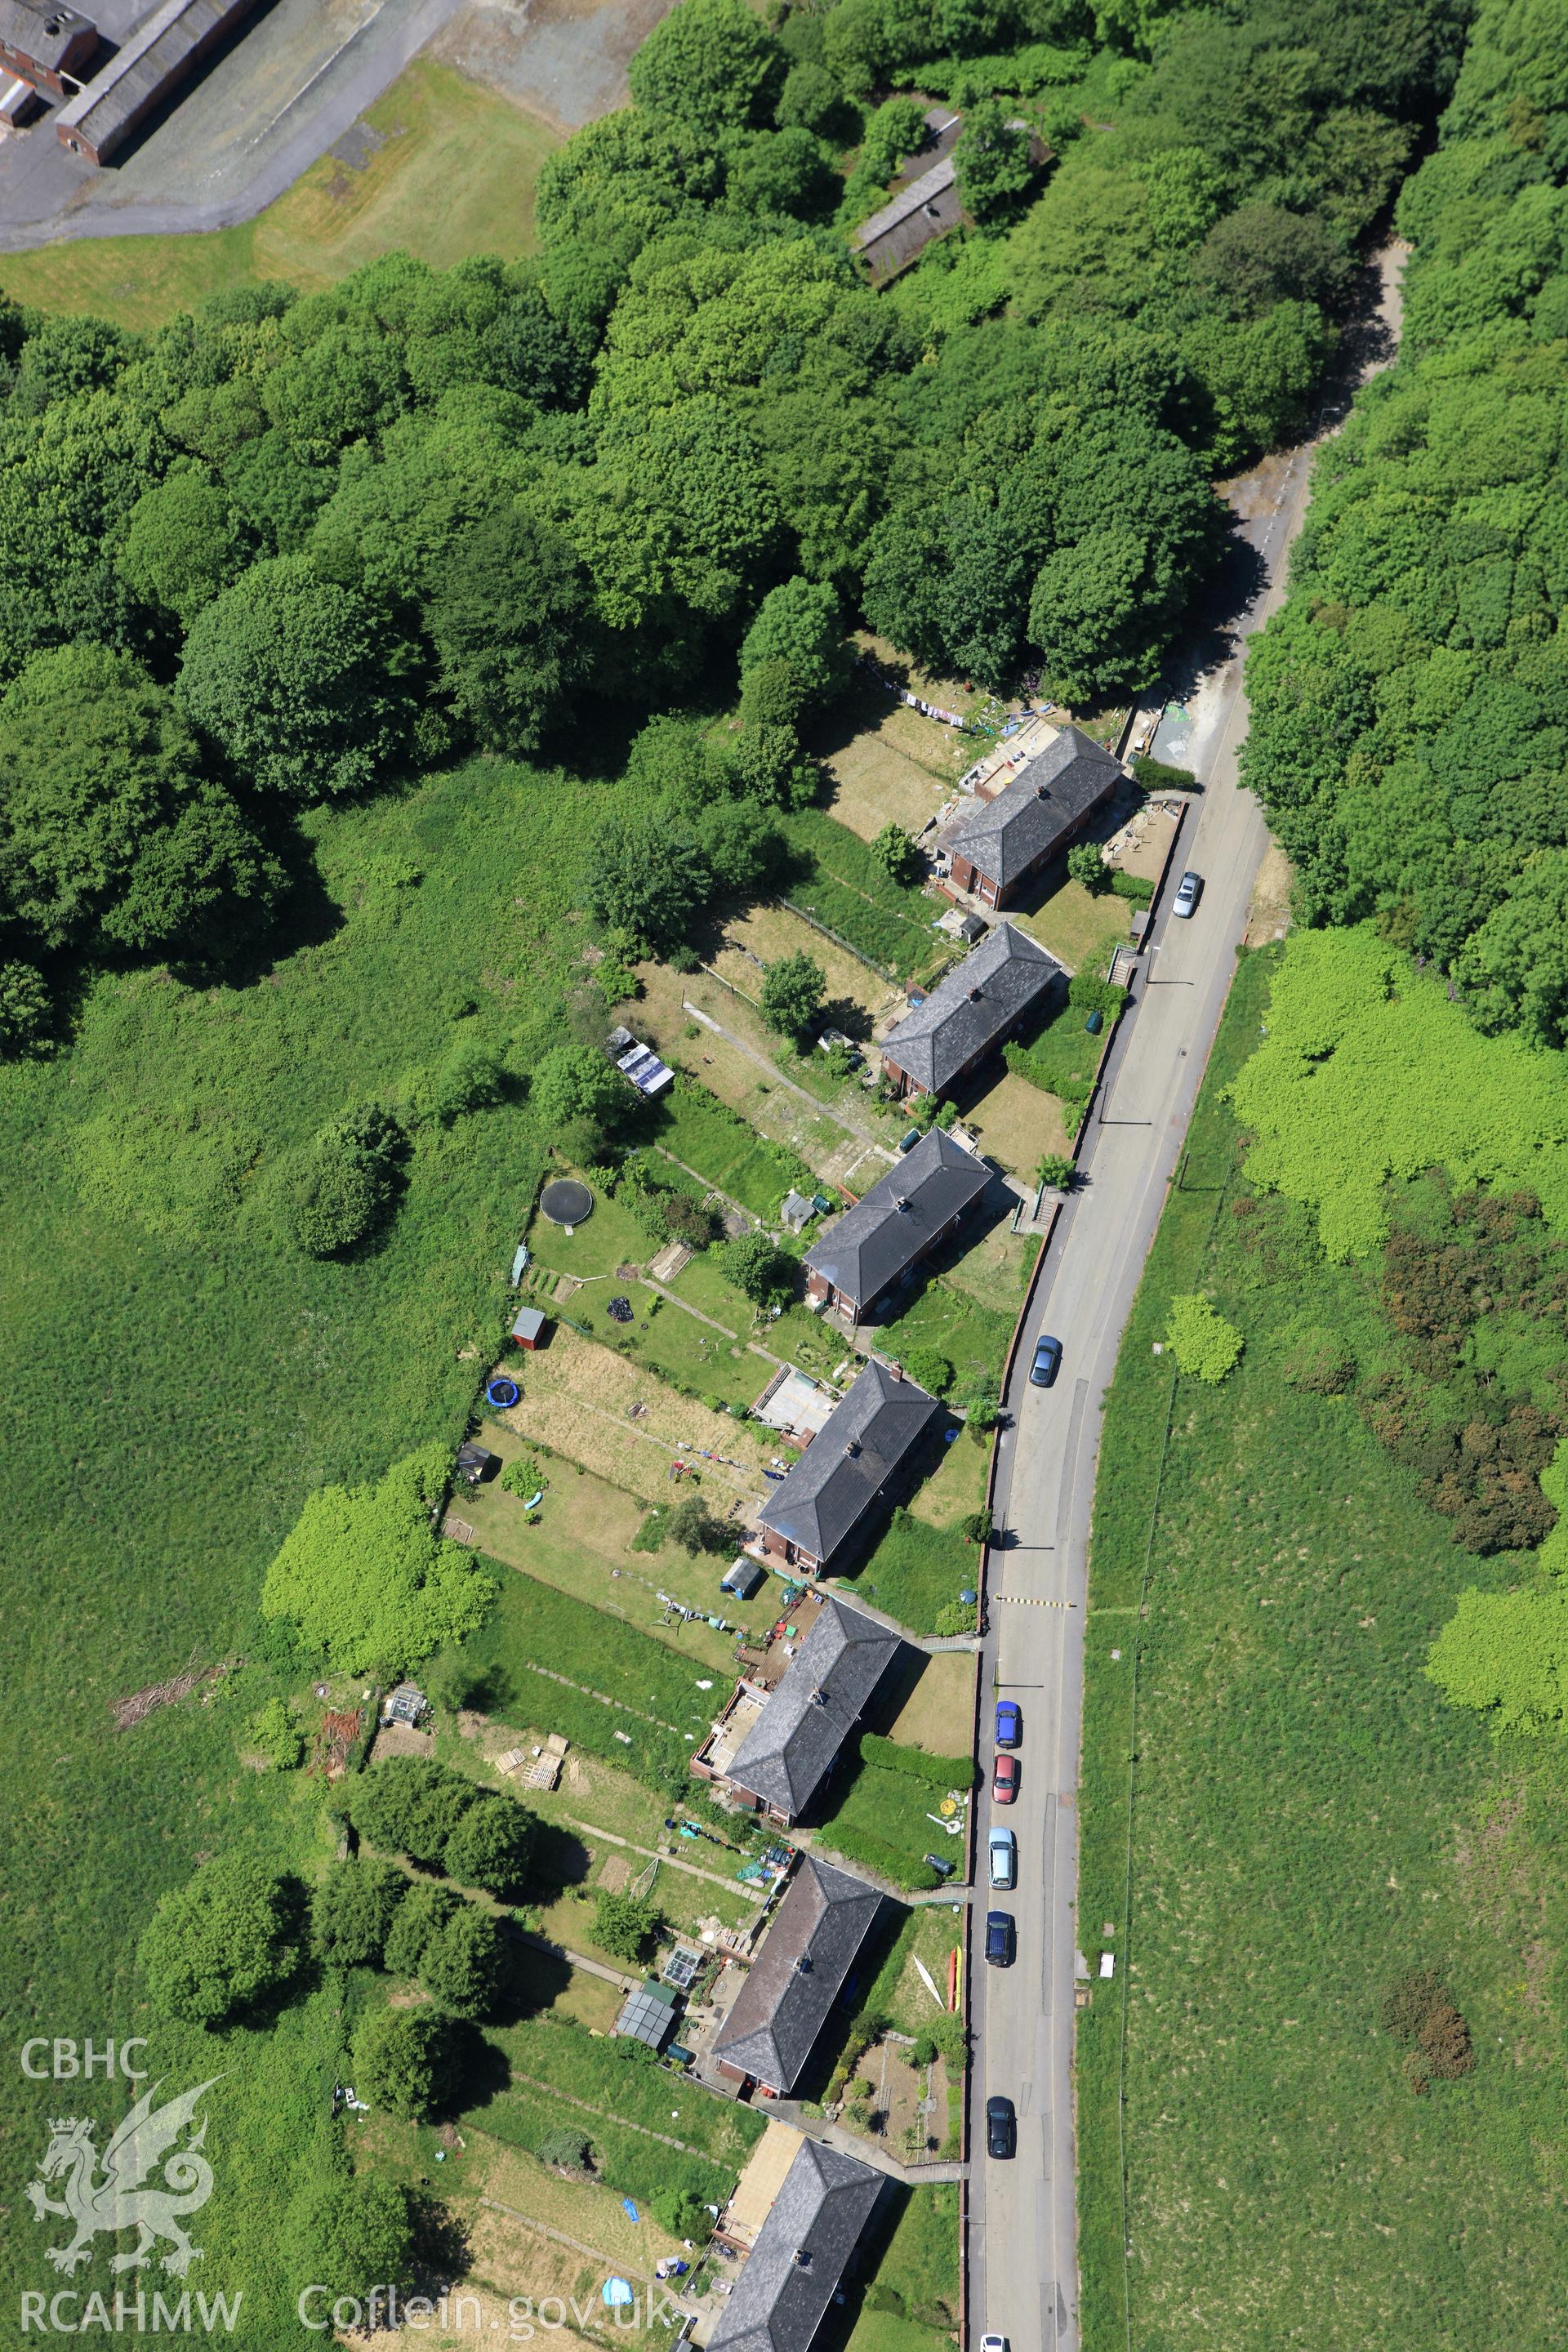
x=1022, y=2233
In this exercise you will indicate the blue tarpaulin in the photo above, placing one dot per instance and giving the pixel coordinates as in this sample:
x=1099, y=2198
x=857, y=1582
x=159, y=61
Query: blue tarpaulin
x=627, y=2206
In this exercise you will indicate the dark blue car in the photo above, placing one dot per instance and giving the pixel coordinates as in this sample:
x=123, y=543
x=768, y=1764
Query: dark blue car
x=999, y=1939
x=1009, y=1724
x=1048, y=1362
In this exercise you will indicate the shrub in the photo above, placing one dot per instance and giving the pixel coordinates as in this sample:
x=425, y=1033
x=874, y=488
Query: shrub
x=794, y=988
x=274, y=1733
x=410, y=1805
x=347, y=1181
x=403, y=2061
x=1057, y=1168
x=1200, y=1338
x=470, y=1078
x=757, y=1266
x=627, y=1926
x=696, y=1529
x=895, y=852
x=352, y=1912
x=955, y=1617
x=23, y=1007
x=1133, y=889
x=1086, y=866
x=524, y=1475
x=940, y=1772
x=1321, y=1363
x=929, y=1369
x=565, y=2147
x=1418, y=2011
x=1088, y=993
x=976, y=1528
x=226, y=1939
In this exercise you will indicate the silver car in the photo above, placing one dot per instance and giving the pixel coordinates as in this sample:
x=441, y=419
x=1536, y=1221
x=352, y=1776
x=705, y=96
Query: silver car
x=1189, y=890
x=1002, y=1849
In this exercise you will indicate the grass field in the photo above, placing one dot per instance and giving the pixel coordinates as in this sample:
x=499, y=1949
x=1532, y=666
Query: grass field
x=728, y=1151
x=1307, y=1821
x=454, y=176
x=836, y=879
x=915, y=1570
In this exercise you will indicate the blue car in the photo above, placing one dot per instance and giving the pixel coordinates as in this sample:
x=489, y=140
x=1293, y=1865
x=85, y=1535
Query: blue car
x=1009, y=1724
x=1048, y=1362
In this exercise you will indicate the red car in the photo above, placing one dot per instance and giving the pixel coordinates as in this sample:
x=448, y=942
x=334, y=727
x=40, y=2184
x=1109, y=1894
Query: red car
x=1004, y=1779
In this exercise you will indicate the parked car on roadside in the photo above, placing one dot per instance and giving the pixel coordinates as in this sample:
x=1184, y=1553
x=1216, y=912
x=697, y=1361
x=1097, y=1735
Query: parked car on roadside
x=1009, y=1723
x=1002, y=1848
x=1048, y=1361
x=1189, y=890
x=1004, y=1779
x=1001, y=1938
x=1001, y=2127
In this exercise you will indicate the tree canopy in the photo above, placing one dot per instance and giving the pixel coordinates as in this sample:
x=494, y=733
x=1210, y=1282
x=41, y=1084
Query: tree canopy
x=229, y=1937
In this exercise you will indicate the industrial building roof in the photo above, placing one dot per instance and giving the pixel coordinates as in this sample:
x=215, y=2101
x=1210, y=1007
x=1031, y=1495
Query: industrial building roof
x=969, y=1009
x=796, y=1737
x=801, y=2254
x=780, y=2010
x=1005, y=837
x=901, y=1216
x=147, y=62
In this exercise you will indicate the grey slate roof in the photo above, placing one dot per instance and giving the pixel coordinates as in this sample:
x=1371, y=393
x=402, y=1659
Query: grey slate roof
x=1005, y=837
x=856, y=1451
x=163, y=47
x=970, y=1008
x=772, y=2026
x=41, y=32
x=873, y=1242
x=791, y=1747
x=777, y=2302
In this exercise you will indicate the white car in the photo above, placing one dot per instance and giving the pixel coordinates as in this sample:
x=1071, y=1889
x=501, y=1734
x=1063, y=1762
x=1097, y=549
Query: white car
x=994, y=2344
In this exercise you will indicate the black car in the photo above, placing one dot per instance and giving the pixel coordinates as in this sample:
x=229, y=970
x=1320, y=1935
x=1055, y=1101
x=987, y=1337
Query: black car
x=1000, y=1938
x=1001, y=2127
x=1048, y=1361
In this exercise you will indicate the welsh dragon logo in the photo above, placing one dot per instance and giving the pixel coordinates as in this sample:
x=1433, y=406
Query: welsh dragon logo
x=119, y=2200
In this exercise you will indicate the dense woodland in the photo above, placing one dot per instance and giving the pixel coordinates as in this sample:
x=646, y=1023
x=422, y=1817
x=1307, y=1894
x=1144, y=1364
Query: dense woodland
x=297, y=549
x=1410, y=704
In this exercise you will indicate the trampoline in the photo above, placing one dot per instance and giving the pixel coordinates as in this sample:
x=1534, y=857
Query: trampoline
x=565, y=1201
x=504, y=1395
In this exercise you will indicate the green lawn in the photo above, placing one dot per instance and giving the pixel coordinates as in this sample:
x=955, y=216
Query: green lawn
x=836, y=879
x=454, y=177
x=920, y=2265
x=536, y=1632
x=1308, y=1822
x=915, y=1569
x=880, y=1817
x=698, y=1130
x=928, y=1934
x=972, y=1338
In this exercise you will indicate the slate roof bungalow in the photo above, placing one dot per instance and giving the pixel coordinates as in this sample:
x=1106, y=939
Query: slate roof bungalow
x=778, y=2015
x=866, y=1441
x=982, y=1002
x=906, y=1215
x=797, y=1729
x=164, y=49
x=1003, y=845
x=802, y=2254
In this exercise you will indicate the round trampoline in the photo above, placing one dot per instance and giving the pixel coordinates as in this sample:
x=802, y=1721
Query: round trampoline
x=565, y=1201
x=504, y=1395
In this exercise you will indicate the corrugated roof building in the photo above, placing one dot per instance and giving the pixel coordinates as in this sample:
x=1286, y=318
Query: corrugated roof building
x=907, y=1213
x=982, y=1002
x=151, y=63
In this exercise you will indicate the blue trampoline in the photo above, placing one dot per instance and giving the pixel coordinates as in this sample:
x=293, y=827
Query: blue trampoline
x=502, y=1393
